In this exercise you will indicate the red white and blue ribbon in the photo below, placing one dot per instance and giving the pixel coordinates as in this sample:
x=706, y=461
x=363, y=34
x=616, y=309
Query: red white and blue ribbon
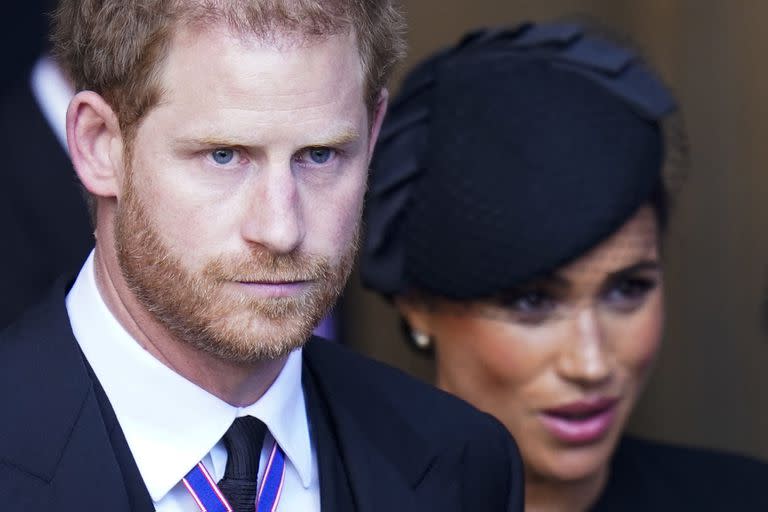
x=204, y=490
x=272, y=483
x=209, y=498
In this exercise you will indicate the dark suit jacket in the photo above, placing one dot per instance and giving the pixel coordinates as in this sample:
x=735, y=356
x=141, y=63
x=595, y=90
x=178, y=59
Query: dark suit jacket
x=385, y=442
x=43, y=216
x=666, y=478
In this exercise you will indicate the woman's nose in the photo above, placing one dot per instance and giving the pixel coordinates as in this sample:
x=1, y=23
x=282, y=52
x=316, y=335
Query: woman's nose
x=586, y=356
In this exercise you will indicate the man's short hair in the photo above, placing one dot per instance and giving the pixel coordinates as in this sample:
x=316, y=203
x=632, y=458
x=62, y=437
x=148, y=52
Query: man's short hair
x=116, y=47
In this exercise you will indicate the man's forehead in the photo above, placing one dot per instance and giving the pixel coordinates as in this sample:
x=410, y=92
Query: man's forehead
x=232, y=91
x=231, y=41
x=217, y=58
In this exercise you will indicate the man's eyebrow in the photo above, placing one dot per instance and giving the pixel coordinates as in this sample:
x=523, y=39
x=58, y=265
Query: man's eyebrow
x=346, y=136
x=208, y=140
x=341, y=138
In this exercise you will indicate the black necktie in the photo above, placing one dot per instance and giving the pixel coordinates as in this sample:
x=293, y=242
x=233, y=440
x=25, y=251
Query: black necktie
x=244, y=440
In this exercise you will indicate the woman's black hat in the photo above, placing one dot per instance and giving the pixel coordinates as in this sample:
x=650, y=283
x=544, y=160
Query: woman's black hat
x=507, y=156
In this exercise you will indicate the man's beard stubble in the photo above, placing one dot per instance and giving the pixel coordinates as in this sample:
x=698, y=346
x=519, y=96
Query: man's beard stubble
x=197, y=309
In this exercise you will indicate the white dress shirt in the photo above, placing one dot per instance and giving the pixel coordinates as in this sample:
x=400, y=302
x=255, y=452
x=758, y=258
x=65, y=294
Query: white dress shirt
x=171, y=424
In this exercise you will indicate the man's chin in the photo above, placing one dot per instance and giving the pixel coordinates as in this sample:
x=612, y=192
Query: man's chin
x=256, y=339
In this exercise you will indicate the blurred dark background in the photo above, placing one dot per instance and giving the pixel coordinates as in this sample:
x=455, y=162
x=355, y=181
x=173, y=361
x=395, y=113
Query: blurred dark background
x=23, y=37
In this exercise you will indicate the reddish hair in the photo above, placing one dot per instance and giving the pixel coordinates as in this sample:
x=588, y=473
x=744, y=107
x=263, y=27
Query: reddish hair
x=116, y=47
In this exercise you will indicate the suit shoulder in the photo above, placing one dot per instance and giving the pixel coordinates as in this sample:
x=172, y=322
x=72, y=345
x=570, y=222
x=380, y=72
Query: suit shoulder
x=472, y=442
x=422, y=402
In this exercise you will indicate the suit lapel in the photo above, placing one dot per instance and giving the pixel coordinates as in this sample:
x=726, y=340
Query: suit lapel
x=335, y=489
x=57, y=446
x=386, y=461
x=138, y=495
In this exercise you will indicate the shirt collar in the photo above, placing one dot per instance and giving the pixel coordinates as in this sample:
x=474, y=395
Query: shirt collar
x=170, y=423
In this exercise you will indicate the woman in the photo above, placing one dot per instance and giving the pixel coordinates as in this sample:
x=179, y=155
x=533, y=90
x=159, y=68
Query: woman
x=514, y=217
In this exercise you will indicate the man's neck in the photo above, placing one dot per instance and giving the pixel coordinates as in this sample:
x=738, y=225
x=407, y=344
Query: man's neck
x=547, y=495
x=236, y=384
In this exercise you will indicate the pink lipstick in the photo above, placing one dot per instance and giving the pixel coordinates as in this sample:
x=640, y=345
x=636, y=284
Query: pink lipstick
x=581, y=422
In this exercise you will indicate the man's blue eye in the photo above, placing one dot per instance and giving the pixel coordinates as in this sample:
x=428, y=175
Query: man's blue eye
x=223, y=156
x=320, y=155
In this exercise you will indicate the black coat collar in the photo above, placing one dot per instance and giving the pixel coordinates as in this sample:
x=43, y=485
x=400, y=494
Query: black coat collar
x=385, y=457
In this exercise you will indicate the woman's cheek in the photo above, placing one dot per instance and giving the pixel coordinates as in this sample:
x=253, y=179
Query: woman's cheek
x=640, y=339
x=513, y=356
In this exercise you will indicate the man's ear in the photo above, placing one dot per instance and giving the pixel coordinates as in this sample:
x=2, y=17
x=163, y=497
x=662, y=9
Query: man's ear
x=378, y=117
x=95, y=144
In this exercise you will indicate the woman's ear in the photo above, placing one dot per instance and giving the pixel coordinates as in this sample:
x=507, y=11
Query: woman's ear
x=415, y=313
x=95, y=144
x=416, y=317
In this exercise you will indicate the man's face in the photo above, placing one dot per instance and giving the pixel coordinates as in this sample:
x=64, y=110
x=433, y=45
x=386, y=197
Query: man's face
x=237, y=222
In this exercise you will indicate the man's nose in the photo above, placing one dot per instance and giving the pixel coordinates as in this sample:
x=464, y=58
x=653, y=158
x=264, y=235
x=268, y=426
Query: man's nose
x=274, y=217
x=586, y=356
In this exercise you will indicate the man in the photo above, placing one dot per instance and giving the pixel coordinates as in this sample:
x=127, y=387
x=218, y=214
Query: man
x=225, y=146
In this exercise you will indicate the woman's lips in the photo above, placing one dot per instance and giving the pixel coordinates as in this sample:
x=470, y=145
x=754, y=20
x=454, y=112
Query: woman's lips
x=582, y=422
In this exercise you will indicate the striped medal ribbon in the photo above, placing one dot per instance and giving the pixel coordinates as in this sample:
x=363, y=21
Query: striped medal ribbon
x=209, y=498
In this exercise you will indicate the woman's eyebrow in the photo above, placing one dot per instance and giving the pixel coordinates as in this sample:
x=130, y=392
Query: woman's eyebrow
x=640, y=266
x=552, y=280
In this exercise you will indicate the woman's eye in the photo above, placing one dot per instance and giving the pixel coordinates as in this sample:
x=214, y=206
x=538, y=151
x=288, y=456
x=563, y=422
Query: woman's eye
x=629, y=292
x=223, y=156
x=531, y=307
x=532, y=301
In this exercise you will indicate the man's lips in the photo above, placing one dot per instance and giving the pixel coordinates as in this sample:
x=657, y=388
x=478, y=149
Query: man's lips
x=580, y=422
x=270, y=288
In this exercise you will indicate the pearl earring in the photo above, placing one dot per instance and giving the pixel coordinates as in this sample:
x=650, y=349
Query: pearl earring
x=421, y=340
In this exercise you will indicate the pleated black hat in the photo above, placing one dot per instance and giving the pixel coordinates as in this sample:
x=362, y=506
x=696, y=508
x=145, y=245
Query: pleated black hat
x=507, y=156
